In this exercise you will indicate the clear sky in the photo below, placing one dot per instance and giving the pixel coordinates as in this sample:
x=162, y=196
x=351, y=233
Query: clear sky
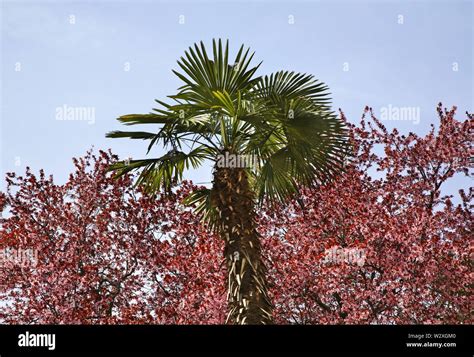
x=115, y=57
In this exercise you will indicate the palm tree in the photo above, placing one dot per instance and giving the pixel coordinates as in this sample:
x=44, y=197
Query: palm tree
x=265, y=137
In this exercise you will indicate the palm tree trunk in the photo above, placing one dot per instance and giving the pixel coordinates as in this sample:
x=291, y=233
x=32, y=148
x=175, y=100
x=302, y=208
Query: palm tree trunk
x=248, y=301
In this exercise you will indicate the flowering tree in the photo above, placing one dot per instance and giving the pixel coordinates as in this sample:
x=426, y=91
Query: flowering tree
x=381, y=244
x=106, y=252
x=416, y=265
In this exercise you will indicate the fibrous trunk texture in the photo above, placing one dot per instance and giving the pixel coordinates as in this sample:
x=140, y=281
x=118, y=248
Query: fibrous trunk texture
x=248, y=301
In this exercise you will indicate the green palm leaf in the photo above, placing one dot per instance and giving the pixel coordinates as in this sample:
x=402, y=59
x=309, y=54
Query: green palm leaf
x=283, y=119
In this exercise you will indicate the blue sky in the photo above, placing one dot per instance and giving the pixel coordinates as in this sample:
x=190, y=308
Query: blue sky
x=398, y=53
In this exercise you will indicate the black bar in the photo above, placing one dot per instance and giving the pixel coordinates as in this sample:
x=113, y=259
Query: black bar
x=257, y=339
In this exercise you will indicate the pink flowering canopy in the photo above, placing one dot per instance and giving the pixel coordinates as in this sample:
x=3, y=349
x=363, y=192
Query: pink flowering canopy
x=381, y=244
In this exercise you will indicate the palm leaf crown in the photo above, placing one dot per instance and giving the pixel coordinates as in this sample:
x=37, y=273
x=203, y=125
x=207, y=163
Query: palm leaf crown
x=283, y=121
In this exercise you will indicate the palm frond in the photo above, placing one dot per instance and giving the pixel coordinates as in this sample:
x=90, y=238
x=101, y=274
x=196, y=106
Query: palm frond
x=286, y=85
x=202, y=202
x=202, y=75
x=283, y=119
x=165, y=171
x=131, y=135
